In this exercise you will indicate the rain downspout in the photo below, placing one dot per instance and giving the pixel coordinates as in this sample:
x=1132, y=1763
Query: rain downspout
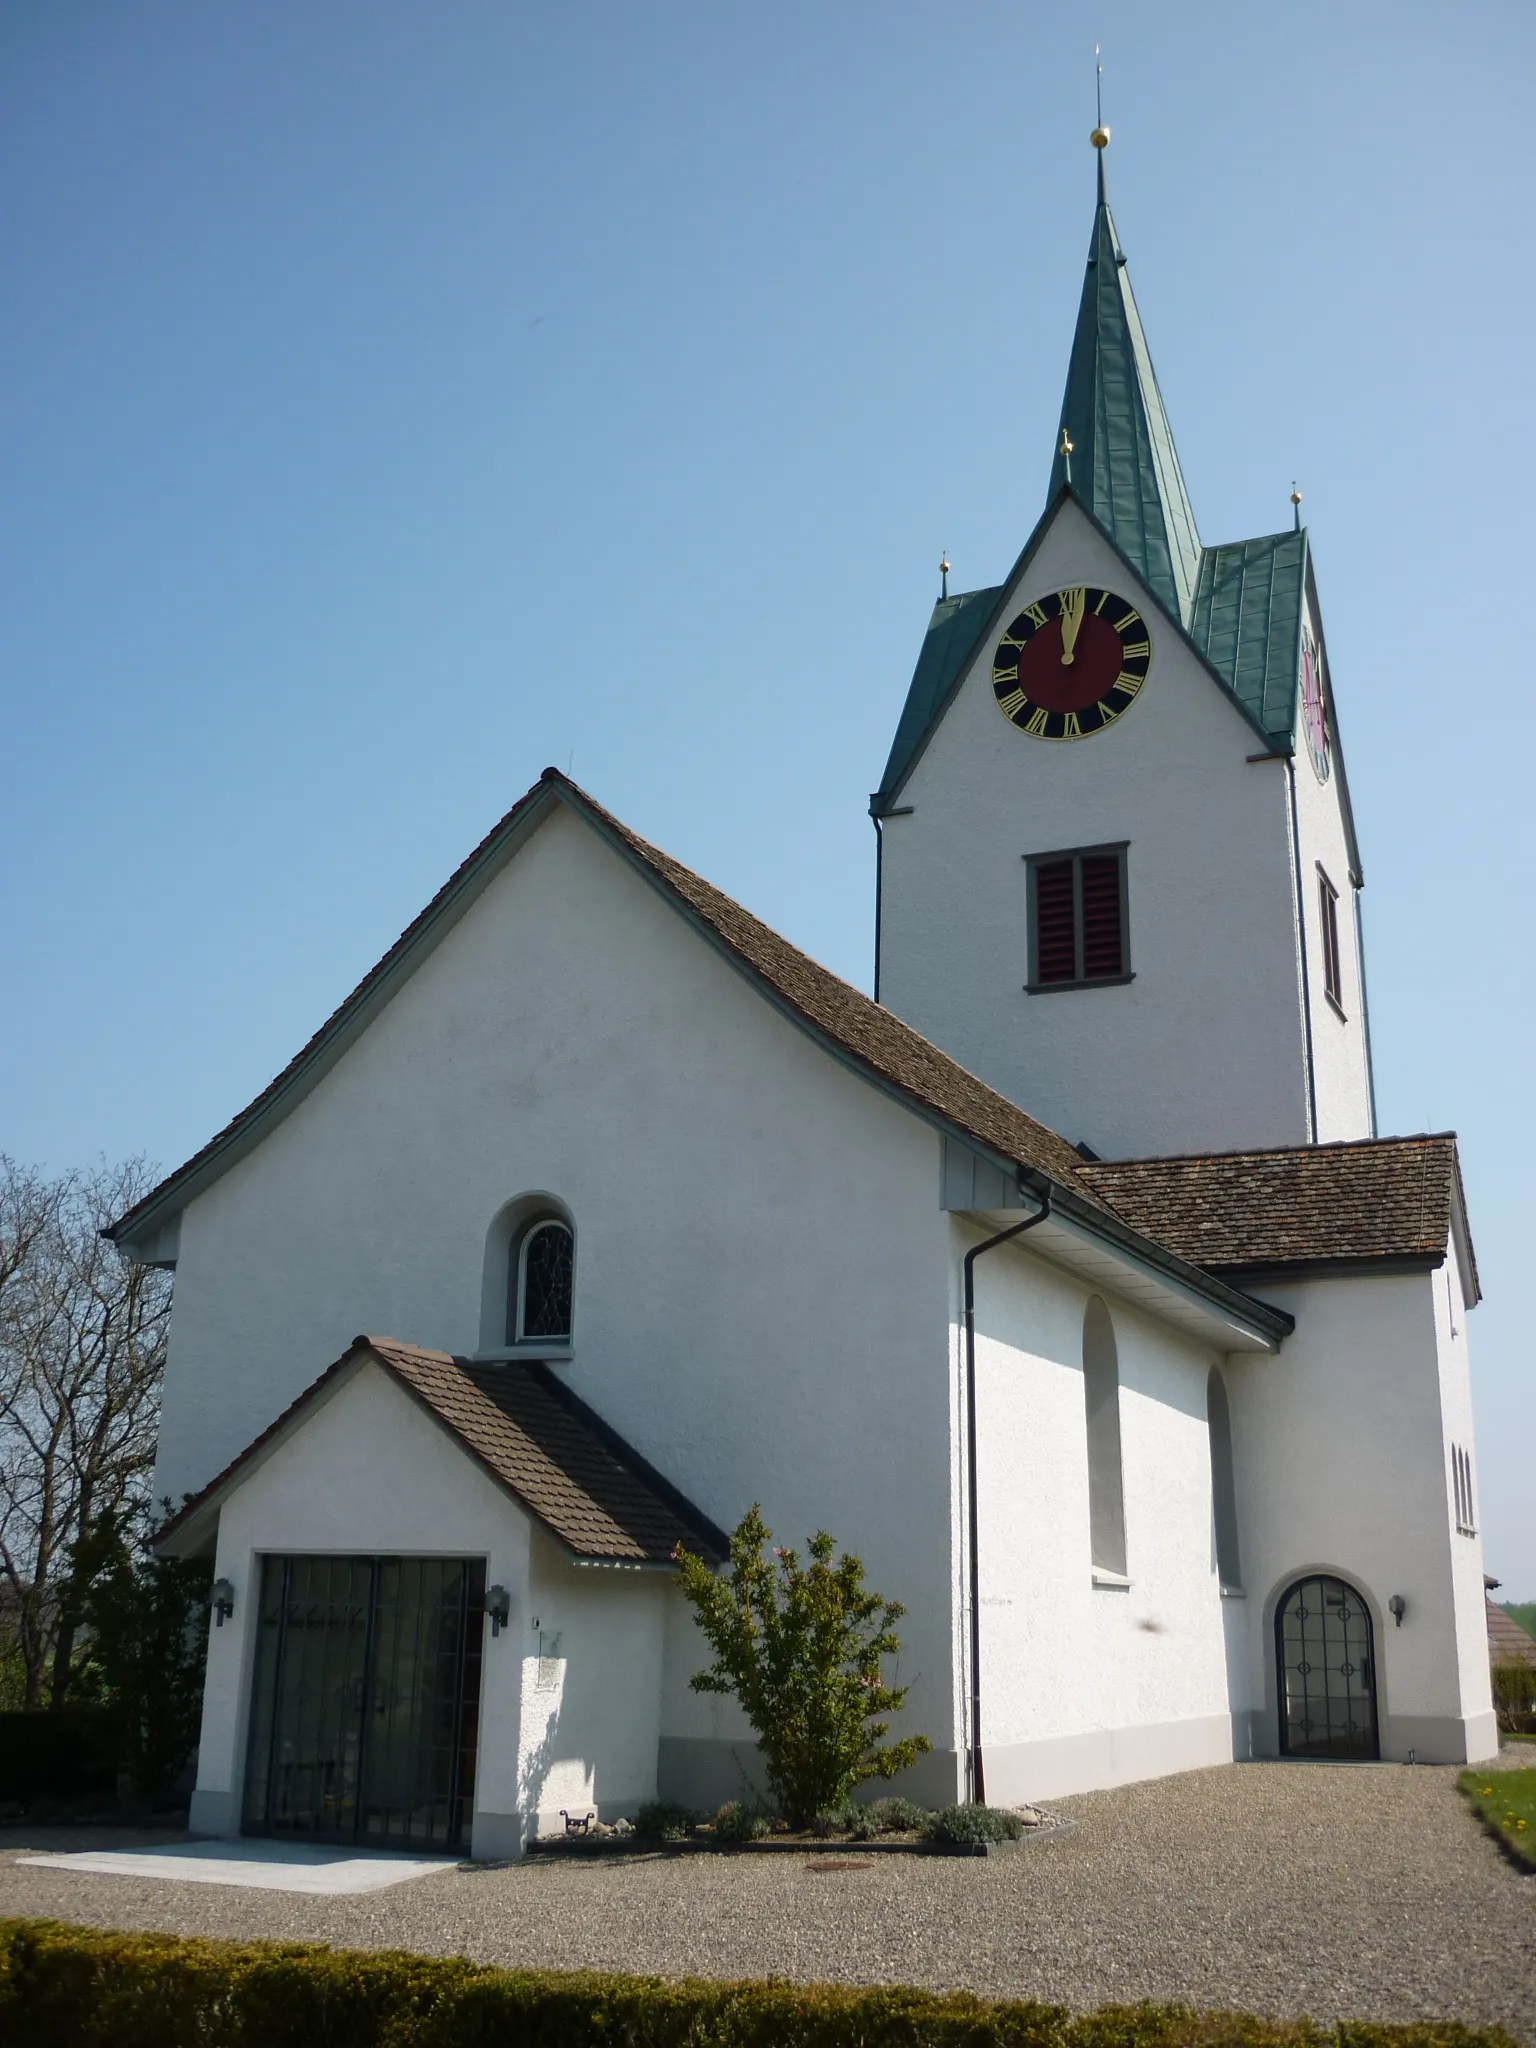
x=976, y=1786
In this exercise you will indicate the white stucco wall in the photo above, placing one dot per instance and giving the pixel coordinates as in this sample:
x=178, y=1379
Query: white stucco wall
x=1342, y=1466
x=1204, y=1048
x=591, y=1712
x=1086, y=1683
x=1339, y=1051
x=761, y=1267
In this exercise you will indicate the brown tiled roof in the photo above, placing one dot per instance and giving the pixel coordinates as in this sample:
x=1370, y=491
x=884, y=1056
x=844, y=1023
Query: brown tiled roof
x=868, y=1034
x=1378, y=1198
x=590, y=1489
x=1508, y=1642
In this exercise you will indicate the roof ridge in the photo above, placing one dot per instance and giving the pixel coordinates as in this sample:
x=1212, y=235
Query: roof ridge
x=640, y=1521
x=1312, y=1150
x=1015, y=1133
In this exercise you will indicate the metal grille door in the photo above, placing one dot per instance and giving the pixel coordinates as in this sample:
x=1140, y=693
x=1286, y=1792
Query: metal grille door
x=365, y=1699
x=1326, y=1663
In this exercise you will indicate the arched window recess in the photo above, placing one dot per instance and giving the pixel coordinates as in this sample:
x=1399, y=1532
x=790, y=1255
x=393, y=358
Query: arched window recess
x=1106, y=1493
x=527, y=1302
x=1223, y=1483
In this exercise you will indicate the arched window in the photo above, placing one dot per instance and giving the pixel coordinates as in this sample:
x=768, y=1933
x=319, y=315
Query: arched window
x=1223, y=1485
x=1101, y=1393
x=539, y=1282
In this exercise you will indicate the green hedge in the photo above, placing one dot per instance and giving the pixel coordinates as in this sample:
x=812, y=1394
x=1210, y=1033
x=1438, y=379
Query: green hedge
x=75, y=1987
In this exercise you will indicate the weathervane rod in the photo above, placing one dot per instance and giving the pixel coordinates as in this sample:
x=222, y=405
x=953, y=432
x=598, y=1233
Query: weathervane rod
x=1098, y=87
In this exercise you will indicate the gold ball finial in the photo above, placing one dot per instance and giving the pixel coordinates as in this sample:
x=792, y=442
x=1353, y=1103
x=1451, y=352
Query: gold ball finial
x=944, y=563
x=1295, y=495
x=1100, y=138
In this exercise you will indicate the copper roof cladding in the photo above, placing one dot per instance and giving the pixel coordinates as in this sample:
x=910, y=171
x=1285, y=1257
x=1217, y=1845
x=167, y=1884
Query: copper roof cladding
x=1371, y=1200
x=592, y=1491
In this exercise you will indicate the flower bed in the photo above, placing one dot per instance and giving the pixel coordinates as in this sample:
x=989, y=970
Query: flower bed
x=884, y=1827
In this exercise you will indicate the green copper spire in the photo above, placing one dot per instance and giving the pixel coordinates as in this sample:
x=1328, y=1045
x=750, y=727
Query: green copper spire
x=1123, y=464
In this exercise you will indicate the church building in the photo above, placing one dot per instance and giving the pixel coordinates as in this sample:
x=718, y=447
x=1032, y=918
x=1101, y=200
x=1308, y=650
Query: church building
x=1142, y=1382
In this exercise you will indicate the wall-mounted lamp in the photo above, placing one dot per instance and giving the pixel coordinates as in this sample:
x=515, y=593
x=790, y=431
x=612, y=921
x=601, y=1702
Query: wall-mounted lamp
x=223, y=1598
x=1397, y=1607
x=498, y=1605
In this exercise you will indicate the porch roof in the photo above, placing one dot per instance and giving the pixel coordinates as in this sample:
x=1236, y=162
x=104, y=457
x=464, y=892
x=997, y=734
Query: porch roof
x=579, y=1479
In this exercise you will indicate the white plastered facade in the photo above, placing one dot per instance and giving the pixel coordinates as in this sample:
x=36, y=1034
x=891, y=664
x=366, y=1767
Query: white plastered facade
x=768, y=1309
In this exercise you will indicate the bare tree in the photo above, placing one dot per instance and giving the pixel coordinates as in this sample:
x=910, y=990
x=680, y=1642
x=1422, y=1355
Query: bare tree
x=82, y=1351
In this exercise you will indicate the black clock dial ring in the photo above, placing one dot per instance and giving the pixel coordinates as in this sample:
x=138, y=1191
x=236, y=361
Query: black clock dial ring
x=1071, y=663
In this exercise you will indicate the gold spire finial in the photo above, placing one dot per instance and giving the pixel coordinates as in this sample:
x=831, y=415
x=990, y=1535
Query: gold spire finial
x=1296, y=504
x=1066, y=443
x=1100, y=136
x=943, y=574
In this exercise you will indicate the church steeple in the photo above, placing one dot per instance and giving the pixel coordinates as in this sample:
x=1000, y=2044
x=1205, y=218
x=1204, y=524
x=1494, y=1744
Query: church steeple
x=1115, y=434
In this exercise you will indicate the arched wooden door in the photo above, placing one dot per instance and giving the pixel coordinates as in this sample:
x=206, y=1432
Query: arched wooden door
x=1325, y=1661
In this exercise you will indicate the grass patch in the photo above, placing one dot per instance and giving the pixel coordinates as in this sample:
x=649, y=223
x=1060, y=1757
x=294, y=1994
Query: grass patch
x=1505, y=1802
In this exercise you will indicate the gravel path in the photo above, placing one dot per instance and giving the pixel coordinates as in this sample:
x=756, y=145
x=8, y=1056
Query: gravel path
x=1339, y=1891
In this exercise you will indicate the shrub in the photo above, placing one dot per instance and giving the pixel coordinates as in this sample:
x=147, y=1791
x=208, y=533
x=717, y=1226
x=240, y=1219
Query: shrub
x=75, y=1987
x=734, y=1823
x=662, y=1820
x=146, y=1623
x=899, y=1816
x=801, y=1648
x=971, y=1823
x=1514, y=1697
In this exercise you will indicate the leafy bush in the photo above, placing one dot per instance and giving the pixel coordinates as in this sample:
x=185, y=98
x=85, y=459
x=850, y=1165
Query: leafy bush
x=899, y=1816
x=801, y=1648
x=1514, y=1697
x=75, y=1987
x=734, y=1823
x=971, y=1823
x=662, y=1820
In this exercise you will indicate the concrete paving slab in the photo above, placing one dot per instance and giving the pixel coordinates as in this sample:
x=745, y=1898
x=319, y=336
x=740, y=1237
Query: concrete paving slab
x=251, y=1866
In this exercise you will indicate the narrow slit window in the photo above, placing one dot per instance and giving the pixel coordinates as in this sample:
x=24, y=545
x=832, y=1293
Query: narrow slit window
x=1461, y=1472
x=1223, y=1481
x=1101, y=1399
x=1077, y=918
x=1328, y=908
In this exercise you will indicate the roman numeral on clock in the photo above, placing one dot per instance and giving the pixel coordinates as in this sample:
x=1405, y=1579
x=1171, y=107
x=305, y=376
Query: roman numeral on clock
x=1013, y=702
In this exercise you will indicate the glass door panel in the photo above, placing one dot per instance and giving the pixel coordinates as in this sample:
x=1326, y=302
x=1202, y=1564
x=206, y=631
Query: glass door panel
x=1326, y=1663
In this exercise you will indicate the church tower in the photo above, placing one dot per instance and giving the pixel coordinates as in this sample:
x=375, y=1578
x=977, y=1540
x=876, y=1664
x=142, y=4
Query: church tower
x=1118, y=876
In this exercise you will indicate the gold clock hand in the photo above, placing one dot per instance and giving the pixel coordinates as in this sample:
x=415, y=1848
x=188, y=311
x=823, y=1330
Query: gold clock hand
x=1072, y=606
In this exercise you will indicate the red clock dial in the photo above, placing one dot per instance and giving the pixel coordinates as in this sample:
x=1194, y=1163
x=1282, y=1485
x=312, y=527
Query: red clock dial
x=1071, y=663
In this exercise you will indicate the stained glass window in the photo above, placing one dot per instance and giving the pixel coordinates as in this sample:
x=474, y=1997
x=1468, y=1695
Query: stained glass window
x=544, y=1281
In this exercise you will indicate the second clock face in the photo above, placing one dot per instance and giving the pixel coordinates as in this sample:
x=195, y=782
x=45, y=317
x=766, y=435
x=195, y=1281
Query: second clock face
x=1070, y=663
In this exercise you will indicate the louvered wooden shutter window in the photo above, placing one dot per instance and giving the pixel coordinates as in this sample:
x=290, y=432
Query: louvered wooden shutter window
x=1079, y=914
x=1055, y=921
x=1102, y=952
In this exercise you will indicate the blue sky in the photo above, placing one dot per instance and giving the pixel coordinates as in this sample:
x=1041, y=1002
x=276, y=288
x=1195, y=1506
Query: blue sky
x=394, y=399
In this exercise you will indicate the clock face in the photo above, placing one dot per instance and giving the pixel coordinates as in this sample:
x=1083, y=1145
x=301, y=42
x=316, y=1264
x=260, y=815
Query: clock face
x=1070, y=663
x=1314, y=710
